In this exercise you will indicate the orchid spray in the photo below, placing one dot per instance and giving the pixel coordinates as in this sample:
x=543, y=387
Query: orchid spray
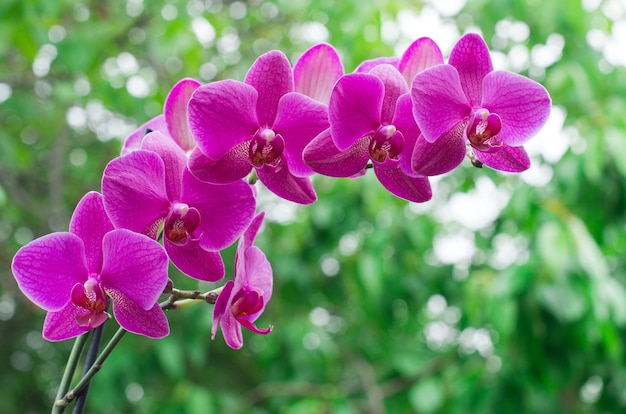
x=183, y=187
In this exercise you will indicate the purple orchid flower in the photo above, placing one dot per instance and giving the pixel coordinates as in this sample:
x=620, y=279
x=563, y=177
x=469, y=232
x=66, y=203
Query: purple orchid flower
x=371, y=119
x=242, y=301
x=73, y=274
x=173, y=122
x=150, y=188
x=316, y=72
x=467, y=105
x=260, y=123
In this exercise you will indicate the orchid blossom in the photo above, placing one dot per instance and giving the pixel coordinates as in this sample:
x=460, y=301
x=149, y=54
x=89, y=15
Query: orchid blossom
x=243, y=300
x=72, y=275
x=151, y=188
x=466, y=106
x=260, y=123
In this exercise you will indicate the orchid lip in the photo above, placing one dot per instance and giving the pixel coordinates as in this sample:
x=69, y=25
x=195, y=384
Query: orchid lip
x=386, y=143
x=265, y=147
x=181, y=223
x=483, y=130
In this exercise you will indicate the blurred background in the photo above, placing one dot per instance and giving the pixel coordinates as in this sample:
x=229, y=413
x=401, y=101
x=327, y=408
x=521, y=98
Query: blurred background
x=504, y=294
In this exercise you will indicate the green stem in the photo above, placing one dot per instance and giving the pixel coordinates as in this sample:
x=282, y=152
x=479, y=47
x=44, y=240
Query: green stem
x=70, y=368
x=97, y=365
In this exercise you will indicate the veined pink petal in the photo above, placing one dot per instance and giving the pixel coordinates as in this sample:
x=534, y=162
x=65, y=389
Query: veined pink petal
x=247, y=238
x=369, y=64
x=325, y=158
x=281, y=182
x=272, y=77
x=134, y=191
x=90, y=222
x=419, y=56
x=299, y=120
x=133, y=142
x=222, y=115
x=405, y=123
x=222, y=305
x=522, y=104
x=61, y=324
x=175, y=112
x=196, y=262
x=233, y=166
x=174, y=161
x=231, y=329
x=394, y=85
x=438, y=101
x=135, y=266
x=47, y=268
x=316, y=72
x=150, y=322
x=506, y=158
x=416, y=189
x=440, y=156
x=355, y=107
x=470, y=57
x=225, y=210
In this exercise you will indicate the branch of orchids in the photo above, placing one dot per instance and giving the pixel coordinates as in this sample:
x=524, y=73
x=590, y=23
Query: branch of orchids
x=180, y=299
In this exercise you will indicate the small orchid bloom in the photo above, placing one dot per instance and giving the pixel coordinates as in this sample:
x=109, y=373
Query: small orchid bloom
x=242, y=301
x=466, y=105
x=151, y=188
x=260, y=123
x=72, y=275
x=173, y=122
x=316, y=72
x=370, y=119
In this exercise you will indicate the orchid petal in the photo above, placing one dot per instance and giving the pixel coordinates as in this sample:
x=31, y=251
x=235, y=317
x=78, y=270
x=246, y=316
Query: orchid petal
x=522, y=104
x=419, y=56
x=281, y=182
x=369, y=64
x=395, y=86
x=233, y=166
x=150, y=322
x=90, y=222
x=134, y=192
x=247, y=238
x=416, y=189
x=506, y=158
x=222, y=305
x=176, y=113
x=325, y=158
x=316, y=72
x=354, y=108
x=272, y=77
x=440, y=156
x=135, y=266
x=405, y=123
x=47, y=268
x=258, y=275
x=299, y=120
x=226, y=210
x=222, y=115
x=174, y=160
x=61, y=324
x=231, y=330
x=438, y=101
x=196, y=261
x=470, y=56
x=133, y=142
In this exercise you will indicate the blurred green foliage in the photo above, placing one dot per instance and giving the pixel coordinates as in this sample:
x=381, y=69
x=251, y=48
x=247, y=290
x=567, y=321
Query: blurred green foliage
x=503, y=294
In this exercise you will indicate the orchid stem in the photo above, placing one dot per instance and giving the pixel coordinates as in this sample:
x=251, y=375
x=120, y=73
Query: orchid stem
x=70, y=368
x=92, y=353
x=97, y=365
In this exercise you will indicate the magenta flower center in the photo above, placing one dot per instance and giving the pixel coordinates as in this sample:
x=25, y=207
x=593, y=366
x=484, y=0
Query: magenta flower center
x=246, y=303
x=181, y=223
x=265, y=147
x=90, y=296
x=483, y=129
x=387, y=142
